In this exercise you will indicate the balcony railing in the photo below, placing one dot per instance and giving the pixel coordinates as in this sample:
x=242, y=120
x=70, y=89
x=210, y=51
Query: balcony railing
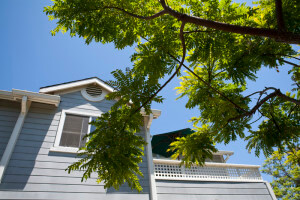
x=171, y=170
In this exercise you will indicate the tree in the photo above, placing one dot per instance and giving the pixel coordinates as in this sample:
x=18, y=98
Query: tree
x=284, y=167
x=220, y=44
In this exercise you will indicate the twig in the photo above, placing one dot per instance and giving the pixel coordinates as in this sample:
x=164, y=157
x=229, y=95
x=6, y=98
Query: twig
x=138, y=16
x=160, y=13
x=259, y=103
x=260, y=92
x=197, y=31
x=256, y=120
x=176, y=72
x=207, y=84
x=288, y=62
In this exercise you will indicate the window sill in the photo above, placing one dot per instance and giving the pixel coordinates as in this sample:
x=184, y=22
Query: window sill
x=71, y=150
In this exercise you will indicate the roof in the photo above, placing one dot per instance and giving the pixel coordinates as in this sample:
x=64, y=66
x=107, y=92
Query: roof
x=161, y=142
x=77, y=83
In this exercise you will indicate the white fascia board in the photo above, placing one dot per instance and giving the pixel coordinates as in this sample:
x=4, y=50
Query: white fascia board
x=230, y=153
x=15, y=95
x=76, y=84
x=6, y=95
x=36, y=97
x=156, y=113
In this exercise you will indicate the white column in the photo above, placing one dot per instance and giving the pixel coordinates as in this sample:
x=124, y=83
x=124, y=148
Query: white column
x=152, y=183
x=25, y=104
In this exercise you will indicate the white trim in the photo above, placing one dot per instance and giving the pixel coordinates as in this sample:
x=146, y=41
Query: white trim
x=76, y=84
x=221, y=152
x=14, y=136
x=156, y=113
x=270, y=190
x=91, y=98
x=173, y=170
x=208, y=164
x=56, y=147
x=152, y=183
x=16, y=95
x=59, y=149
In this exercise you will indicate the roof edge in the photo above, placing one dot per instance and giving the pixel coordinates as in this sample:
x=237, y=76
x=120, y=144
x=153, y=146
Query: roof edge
x=77, y=83
x=16, y=95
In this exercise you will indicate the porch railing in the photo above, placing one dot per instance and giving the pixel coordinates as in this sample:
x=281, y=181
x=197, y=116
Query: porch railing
x=172, y=170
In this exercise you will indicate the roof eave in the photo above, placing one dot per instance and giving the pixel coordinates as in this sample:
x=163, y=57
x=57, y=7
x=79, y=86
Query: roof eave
x=16, y=95
x=69, y=85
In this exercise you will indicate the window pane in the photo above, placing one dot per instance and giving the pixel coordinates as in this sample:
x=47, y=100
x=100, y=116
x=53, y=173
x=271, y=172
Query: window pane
x=93, y=127
x=84, y=131
x=75, y=127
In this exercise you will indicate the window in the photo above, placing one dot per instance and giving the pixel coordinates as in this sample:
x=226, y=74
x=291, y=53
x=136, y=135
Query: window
x=74, y=130
x=73, y=126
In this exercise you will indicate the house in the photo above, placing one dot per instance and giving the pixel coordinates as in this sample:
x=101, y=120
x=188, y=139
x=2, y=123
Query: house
x=40, y=134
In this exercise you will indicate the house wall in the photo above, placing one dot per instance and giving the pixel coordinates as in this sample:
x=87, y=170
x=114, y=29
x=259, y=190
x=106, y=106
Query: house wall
x=199, y=190
x=34, y=172
x=9, y=112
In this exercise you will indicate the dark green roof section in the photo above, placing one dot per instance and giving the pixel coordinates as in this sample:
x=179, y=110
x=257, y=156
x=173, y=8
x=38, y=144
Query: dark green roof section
x=160, y=142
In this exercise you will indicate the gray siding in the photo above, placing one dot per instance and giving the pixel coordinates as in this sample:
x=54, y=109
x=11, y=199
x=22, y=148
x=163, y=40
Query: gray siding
x=34, y=172
x=9, y=112
x=196, y=190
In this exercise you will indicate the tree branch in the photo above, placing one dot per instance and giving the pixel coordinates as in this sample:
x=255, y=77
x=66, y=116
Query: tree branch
x=160, y=13
x=280, y=36
x=277, y=93
x=137, y=16
x=279, y=15
x=176, y=72
x=260, y=92
x=197, y=31
x=207, y=84
x=288, y=62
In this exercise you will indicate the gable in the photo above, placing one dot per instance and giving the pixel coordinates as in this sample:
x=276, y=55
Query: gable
x=73, y=86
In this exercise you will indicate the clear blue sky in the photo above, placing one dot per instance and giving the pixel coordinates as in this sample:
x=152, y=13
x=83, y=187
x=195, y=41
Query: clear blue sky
x=31, y=58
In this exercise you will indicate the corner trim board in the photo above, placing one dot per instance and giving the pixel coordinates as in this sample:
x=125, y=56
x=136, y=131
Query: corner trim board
x=270, y=190
x=152, y=183
x=25, y=105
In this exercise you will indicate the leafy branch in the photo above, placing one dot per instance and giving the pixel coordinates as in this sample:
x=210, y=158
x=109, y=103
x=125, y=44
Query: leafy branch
x=174, y=74
x=280, y=36
x=276, y=93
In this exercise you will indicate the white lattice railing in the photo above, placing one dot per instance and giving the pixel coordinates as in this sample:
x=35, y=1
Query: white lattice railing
x=171, y=170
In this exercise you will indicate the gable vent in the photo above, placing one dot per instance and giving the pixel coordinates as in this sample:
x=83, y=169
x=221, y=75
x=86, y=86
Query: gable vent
x=93, y=90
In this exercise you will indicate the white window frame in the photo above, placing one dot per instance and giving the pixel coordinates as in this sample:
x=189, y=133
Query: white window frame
x=63, y=149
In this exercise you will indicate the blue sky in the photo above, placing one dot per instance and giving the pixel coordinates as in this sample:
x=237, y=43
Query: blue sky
x=31, y=58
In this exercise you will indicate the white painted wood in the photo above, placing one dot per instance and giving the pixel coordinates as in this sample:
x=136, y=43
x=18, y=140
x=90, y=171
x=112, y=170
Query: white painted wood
x=76, y=84
x=270, y=190
x=71, y=150
x=32, y=96
x=94, y=99
x=14, y=136
x=210, y=164
x=173, y=170
x=152, y=183
x=56, y=147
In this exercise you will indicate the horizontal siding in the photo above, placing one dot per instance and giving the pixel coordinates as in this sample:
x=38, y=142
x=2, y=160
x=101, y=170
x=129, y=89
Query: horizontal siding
x=9, y=112
x=213, y=197
x=34, y=172
x=70, y=196
x=56, y=180
x=211, y=190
